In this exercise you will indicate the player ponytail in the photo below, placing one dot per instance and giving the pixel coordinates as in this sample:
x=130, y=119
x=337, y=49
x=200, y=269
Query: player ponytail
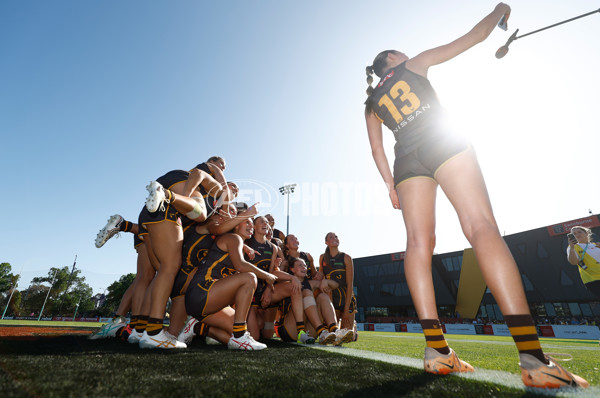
x=379, y=67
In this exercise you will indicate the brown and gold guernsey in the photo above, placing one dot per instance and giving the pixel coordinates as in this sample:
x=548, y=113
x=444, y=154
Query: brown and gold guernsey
x=335, y=270
x=195, y=249
x=216, y=265
x=262, y=259
x=406, y=103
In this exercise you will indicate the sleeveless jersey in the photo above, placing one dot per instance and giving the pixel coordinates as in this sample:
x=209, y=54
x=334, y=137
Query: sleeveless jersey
x=261, y=260
x=406, y=103
x=216, y=265
x=195, y=248
x=173, y=177
x=335, y=270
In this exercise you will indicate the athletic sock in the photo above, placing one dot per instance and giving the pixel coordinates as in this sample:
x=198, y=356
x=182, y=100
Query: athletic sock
x=332, y=327
x=142, y=322
x=239, y=328
x=169, y=196
x=201, y=329
x=434, y=337
x=125, y=226
x=124, y=332
x=524, y=334
x=299, y=326
x=133, y=322
x=154, y=327
x=320, y=329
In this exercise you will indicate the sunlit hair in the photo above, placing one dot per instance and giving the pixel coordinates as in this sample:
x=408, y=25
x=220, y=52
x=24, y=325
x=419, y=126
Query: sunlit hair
x=214, y=159
x=379, y=67
x=587, y=231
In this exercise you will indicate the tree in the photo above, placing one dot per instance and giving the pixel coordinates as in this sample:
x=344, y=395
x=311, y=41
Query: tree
x=5, y=277
x=68, y=289
x=115, y=292
x=8, y=281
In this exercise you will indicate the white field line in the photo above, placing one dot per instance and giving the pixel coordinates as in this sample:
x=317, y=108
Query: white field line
x=497, y=342
x=491, y=376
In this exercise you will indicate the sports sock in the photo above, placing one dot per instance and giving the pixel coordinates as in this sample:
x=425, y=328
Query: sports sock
x=125, y=226
x=201, y=329
x=239, y=328
x=141, y=323
x=524, y=334
x=134, y=321
x=320, y=329
x=332, y=327
x=434, y=337
x=299, y=326
x=124, y=332
x=154, y=327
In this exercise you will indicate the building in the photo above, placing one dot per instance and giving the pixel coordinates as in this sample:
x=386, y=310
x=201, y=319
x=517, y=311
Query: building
x=552, y=285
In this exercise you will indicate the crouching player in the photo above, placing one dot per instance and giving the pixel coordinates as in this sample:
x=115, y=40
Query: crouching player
x=217, y=285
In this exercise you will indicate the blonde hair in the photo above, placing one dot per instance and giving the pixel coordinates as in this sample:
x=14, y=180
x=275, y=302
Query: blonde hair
x=588, y=232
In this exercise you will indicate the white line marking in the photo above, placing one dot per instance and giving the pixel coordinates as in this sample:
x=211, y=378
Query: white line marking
x=491, y=376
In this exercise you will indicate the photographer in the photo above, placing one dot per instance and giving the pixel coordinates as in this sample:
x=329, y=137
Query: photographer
x=585, y=254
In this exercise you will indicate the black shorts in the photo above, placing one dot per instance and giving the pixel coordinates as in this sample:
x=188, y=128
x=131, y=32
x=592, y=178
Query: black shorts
x=427, y=158
x=170, y=214
x=284, y=335
x=181, y=282
x=338, y=298
x=196, y=297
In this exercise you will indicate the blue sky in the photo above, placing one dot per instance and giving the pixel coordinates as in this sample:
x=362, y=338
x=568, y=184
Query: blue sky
x=99, y=98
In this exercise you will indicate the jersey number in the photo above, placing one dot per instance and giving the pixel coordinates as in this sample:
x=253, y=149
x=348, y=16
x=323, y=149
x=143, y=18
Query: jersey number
x=400, y=89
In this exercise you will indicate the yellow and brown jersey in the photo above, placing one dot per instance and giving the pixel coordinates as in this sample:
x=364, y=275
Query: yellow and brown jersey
x=406, y=103
x=335, y=269
x=216, y=265
x=263, y=253
x=195, y=248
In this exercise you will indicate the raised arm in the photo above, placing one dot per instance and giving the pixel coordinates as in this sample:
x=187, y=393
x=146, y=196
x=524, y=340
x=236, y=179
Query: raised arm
x=421, y=63
x=233, y=245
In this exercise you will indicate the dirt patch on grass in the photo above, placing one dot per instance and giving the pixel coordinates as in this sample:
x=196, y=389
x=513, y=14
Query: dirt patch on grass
x=25, y=331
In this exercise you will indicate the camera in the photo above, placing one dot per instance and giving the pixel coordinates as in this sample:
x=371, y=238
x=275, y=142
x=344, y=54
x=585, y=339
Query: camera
x=240, y=206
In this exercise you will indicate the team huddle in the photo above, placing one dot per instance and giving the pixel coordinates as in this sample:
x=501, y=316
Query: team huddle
x=230, y=275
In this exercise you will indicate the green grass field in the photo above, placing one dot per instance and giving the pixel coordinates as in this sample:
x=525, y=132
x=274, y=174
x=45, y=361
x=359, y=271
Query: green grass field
x=74, y=366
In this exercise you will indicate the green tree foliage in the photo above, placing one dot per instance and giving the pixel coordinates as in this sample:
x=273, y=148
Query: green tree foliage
x=5, y=278
x=67, y=291
x=115, y=293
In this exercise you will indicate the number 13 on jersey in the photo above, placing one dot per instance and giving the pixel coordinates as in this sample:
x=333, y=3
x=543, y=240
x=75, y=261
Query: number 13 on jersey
x=410, y=100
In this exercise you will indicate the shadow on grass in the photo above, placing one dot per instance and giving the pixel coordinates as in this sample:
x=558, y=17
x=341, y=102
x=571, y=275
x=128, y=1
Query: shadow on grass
x=115, y=368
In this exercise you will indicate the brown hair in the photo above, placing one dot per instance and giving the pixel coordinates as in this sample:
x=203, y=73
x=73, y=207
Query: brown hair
x=379, y=67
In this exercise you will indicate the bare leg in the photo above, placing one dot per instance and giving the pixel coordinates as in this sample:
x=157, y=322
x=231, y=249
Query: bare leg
x=463, y=183
x=143, y=278
x=167, y=239
x=178, y=315
x=238, y=289
x=417, y=199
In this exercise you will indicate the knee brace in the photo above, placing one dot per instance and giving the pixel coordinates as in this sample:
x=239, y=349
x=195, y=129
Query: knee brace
x=198, y=209
x=309, y=301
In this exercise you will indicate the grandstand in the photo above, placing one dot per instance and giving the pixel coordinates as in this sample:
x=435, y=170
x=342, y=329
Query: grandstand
x=553, y=286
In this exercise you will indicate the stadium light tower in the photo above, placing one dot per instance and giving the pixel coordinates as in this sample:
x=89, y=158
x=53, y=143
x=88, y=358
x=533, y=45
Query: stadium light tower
x=287, y=190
